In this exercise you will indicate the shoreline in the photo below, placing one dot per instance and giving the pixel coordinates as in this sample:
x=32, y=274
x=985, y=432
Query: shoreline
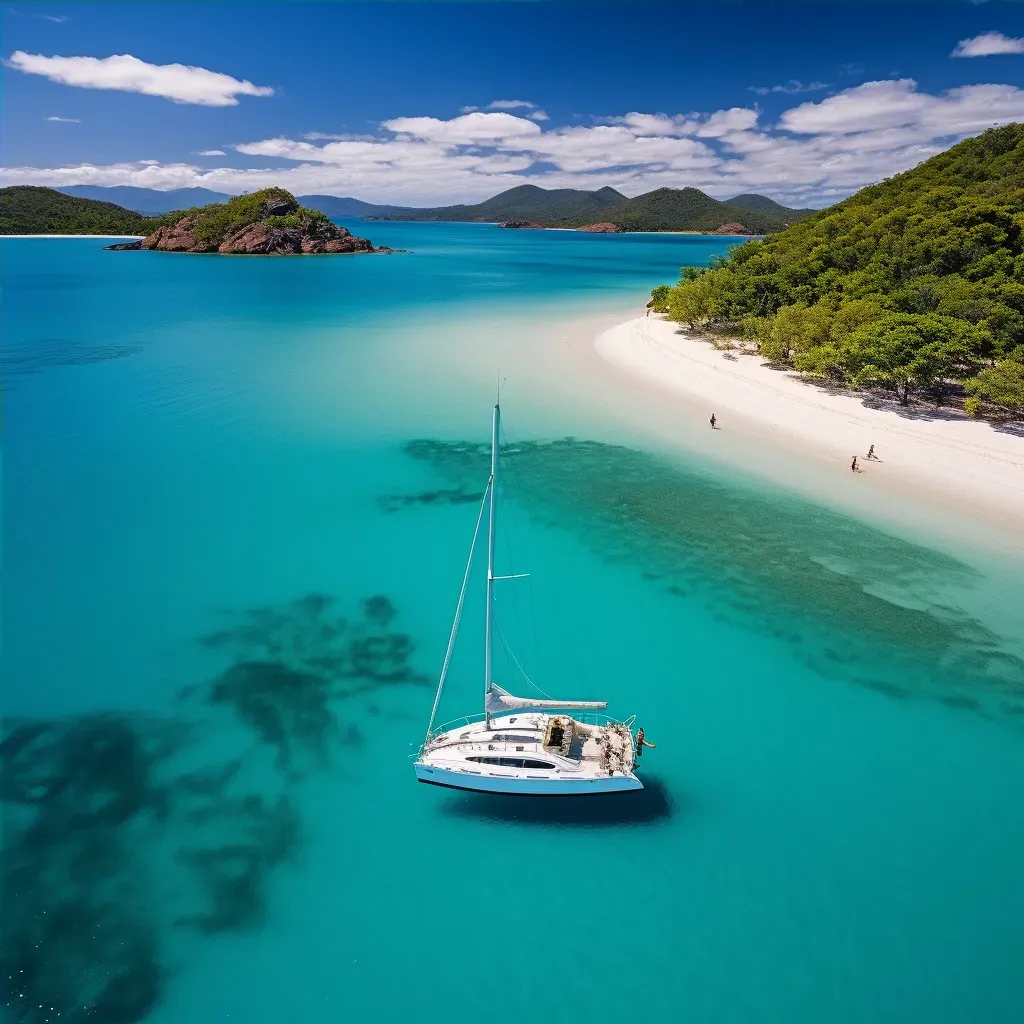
x=956, y=465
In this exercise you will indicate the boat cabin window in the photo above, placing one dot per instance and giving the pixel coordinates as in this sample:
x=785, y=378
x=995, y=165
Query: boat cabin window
x=512, y=762
x=507, y=737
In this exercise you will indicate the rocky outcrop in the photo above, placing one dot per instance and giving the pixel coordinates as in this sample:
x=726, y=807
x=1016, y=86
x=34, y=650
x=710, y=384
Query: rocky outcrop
x=269, y=223
x=521, y=224
x=732, y=228
x=604, y=228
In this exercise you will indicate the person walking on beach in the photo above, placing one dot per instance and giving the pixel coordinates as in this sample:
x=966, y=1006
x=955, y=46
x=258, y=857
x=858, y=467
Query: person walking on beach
x=642, y=742
x=853, y=465
x=712, y=421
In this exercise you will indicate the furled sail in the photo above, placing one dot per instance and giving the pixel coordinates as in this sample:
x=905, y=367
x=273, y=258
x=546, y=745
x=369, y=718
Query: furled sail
x=500, y=701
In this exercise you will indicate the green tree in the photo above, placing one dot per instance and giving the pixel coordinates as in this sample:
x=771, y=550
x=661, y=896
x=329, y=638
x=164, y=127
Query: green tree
x=1002, y=384
x=660, y=298
x=907, y=351
x=694, y=303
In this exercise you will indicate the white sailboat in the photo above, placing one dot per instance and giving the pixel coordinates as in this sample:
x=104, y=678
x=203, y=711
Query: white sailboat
x=522, y=745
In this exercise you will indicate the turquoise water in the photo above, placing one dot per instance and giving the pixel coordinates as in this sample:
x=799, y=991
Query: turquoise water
x=238, y=502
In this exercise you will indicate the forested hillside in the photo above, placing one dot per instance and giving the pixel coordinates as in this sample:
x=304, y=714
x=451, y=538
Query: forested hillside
x=665, y=209
x=911, y=284
x=689, y=209
x=554, y=206
x=28, y=210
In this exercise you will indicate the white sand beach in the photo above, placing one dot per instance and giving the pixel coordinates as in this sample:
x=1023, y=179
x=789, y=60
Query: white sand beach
x=961, y=464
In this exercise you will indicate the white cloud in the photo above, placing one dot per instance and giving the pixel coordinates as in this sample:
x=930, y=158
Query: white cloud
x=57, y=19
x=658, y=124
x=211, y=152
x=510, y=104
x=790, y=87
x=898, y=104
x=987, y=44
x=64, y=120
x=721, y=122
x=818, y=152
x=177, y=82
x=530, y=110
x=466, y=129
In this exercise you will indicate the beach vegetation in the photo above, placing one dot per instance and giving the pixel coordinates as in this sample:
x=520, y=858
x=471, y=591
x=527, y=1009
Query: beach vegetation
x=913, y=285
x=1000, y=385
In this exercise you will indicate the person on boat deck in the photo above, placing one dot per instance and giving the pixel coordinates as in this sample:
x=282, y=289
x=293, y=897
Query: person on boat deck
x=642, y=741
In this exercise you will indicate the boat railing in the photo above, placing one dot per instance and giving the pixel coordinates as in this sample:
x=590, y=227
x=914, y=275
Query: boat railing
x=503, y=722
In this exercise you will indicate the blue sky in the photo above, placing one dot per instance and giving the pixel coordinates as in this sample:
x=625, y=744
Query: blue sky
x=804, y=102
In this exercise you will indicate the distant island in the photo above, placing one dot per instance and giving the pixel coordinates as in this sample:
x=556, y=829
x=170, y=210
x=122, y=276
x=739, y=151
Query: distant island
x=268, y=222
x=265, y=223
x=915, y=285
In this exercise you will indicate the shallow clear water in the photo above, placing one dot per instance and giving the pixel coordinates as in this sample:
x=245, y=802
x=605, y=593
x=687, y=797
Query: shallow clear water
x=213, y=464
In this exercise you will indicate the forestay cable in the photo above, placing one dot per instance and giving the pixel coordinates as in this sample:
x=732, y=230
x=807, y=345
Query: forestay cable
x=458, y=611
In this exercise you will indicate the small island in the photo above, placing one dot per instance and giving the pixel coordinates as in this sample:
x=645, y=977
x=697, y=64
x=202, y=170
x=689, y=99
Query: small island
x=265, y=223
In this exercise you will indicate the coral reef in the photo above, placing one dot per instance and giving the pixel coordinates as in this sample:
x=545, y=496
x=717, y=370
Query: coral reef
x=124, y=833
x=833, y=587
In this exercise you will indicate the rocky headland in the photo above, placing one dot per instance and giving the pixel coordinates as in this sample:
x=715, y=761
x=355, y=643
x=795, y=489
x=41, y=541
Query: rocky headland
x=265, y=223
x=732, y=228
x=521, y=224
x=604, y=228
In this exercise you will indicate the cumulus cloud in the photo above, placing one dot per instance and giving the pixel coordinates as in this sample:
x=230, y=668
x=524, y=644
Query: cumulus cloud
x=466, y=129
x=509, y=104
x=722, y=122
x=792, y=86
x=531, y=110
x=68, y=120
x=816, y=153
x=658, y=124
x=987, y=44
x=896, y=103
x=125, y=73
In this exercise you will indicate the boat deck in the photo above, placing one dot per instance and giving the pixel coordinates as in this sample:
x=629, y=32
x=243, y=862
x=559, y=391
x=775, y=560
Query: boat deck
x=513, y=747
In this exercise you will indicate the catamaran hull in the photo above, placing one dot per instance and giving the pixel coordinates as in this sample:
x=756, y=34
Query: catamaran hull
x=435, y=776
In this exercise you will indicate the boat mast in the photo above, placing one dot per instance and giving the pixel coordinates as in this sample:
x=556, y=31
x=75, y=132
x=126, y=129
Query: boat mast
x=489, y=628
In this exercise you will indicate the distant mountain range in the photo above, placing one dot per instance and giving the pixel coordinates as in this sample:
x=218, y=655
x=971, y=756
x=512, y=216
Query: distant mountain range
x=152, y=201
x=554, y=206
x=147, y=200
x=665, y=209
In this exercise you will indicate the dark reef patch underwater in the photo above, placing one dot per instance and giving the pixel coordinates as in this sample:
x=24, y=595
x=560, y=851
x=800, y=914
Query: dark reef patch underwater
x=125, y=832
x=837, y=589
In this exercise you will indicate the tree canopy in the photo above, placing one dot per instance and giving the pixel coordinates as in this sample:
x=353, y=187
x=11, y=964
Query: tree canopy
x=910, y=283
